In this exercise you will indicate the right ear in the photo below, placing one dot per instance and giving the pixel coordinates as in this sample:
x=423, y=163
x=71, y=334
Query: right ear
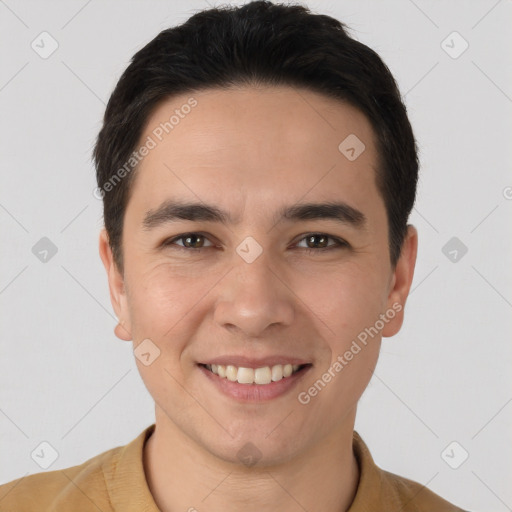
x=117, y=288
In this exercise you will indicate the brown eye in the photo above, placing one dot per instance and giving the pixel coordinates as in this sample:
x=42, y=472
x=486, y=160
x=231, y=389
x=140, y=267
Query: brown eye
x=189, y=241
x=193, y=240
x=315, y=241
x=320, y=241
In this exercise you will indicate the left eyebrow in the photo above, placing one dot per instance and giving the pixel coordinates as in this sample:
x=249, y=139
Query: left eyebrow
x=172, y=210
x=338, y=211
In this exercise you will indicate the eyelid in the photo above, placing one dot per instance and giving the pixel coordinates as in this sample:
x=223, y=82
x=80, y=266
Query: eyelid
x=339, y=242
x=172, y=240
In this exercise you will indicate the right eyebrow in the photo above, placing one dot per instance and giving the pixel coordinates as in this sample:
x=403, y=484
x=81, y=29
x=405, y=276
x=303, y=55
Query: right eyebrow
x=171, y=210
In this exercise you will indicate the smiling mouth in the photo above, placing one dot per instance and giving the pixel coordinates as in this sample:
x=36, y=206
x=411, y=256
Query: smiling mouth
x=260, y=376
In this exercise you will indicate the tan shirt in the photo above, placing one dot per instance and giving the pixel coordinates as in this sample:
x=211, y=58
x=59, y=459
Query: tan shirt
x=115, y=481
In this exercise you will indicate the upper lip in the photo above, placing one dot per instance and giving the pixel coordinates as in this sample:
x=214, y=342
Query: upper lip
x=250, y=362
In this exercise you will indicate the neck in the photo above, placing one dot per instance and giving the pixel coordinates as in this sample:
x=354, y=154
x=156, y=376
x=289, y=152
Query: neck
x=183, y=475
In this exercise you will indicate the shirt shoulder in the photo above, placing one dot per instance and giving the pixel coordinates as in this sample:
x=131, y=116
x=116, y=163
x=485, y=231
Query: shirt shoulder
x=382, y=490
x=412, y=496
x=78, y=488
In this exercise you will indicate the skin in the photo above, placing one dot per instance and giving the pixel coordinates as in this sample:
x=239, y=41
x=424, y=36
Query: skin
x=250, y=151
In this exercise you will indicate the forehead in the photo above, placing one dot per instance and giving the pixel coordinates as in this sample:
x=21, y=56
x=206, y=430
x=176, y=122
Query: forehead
x=257, y=143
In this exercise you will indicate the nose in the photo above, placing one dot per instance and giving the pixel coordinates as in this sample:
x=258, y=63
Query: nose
x=253, y=297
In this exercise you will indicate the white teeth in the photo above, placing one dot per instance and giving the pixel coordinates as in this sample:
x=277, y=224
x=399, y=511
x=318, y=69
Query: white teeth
x=287, y=370
x=231, y=372
x=221, y=370
x=245, y=375
x=277, y=372
x=264, y=375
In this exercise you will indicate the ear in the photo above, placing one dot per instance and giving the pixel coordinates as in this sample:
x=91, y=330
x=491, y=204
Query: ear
x=117, y=288
x=401, y=282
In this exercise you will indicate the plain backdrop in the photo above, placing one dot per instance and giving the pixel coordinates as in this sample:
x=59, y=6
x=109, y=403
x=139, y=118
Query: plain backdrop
x=446, y=377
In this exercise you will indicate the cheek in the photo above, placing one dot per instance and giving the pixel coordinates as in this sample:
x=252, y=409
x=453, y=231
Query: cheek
x=349, y=304
x=161, y=299
x=348, y=298
x=164, y=306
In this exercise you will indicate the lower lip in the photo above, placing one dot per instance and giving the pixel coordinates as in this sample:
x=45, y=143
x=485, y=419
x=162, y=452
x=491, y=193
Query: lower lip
x=255, y=392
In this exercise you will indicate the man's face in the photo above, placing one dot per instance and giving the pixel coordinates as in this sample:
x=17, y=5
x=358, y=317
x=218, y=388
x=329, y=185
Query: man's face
x=258, y=285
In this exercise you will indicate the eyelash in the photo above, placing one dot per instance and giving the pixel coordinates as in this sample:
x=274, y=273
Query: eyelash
x=340, y=243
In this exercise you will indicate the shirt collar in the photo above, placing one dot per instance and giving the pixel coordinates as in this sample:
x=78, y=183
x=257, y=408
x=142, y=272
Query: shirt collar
x=369, y=491
x=125, y=478
x=129, y=492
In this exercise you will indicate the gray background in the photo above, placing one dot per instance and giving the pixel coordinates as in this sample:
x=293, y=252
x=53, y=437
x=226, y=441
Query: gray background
x=66, y=379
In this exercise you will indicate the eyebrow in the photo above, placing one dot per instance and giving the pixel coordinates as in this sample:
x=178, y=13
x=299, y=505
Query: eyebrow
x=172, y=210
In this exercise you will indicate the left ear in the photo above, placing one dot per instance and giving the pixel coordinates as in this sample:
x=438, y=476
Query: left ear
x=401, y=281
x=117, y=288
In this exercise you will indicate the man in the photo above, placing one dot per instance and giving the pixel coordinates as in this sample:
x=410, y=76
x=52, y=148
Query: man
x=257, y=169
